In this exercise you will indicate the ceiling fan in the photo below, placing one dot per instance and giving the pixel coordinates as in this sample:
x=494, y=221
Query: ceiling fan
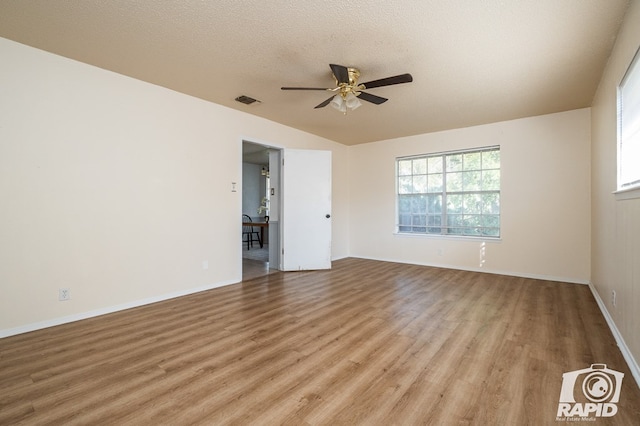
x=349, y=91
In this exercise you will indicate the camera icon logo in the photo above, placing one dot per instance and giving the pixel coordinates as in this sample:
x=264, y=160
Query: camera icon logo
x=590, y=391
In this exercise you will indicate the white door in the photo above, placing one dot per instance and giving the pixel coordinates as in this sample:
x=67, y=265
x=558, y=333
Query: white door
x=306, y=210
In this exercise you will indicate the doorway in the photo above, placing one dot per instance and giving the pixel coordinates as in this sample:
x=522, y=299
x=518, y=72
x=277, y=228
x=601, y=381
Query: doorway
x=292, y=182
x=260, y=205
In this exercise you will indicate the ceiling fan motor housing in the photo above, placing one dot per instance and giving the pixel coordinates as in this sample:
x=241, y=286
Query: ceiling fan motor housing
x=352, y=85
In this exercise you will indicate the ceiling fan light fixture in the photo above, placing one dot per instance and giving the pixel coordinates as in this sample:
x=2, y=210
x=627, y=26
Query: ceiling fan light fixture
x=345, y=102
x=338, y=103
x=352, y=101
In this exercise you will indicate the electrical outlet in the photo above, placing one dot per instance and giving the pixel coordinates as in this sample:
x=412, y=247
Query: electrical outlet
x=64, y=294
x=613, y=298
x=205, y=265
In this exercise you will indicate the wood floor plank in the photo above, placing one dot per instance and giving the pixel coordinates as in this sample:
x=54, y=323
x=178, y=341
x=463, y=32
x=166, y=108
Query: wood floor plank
x=371, y=343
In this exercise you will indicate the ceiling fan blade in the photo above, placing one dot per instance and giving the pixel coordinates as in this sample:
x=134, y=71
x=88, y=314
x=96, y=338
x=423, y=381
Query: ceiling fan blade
x=341, y=73
x=324, y=104
x=304, y=88
x=372, y=98
x=398, y=79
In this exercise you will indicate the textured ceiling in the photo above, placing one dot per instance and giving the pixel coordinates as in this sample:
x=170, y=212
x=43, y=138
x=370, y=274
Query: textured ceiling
x=473, y=61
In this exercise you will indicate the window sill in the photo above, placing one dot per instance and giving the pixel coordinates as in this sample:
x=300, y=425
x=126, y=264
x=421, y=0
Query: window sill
x=448, y=237
x=627, y=193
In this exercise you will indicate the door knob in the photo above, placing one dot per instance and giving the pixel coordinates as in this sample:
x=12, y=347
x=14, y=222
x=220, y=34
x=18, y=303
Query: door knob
x=328, y=216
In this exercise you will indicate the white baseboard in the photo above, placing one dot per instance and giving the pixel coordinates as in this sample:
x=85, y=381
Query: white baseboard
x=486, y=271
x=109, y=309
x=626, y=353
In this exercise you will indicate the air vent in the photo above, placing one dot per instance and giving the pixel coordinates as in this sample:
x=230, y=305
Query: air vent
x=246, y=100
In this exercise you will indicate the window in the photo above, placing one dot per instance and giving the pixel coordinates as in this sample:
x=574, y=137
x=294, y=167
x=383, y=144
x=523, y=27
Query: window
x=629, y=127
x=451, y=193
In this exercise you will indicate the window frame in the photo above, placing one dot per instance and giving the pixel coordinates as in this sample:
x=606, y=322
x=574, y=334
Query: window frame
x=632, y=72
x=446, y=226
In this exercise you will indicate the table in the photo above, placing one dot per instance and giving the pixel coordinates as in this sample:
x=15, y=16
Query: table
x=261, y=225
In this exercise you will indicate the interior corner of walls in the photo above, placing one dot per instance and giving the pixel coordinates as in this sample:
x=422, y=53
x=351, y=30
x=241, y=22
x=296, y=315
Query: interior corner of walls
x=632, y=363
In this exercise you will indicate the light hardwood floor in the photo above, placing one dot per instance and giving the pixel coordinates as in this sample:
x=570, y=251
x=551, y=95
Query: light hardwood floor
x=368, y=342
x=254, y=269
x=255, y=262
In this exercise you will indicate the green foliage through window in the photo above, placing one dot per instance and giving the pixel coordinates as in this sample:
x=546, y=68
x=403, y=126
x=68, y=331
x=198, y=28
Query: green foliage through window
x=451, y=193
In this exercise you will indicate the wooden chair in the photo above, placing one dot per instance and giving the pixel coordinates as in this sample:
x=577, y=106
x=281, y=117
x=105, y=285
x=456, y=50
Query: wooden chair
x=249, y=231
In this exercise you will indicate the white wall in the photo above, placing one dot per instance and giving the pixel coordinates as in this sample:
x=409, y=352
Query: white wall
x=616, y=222
x=119, y=189
x=545, y=202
